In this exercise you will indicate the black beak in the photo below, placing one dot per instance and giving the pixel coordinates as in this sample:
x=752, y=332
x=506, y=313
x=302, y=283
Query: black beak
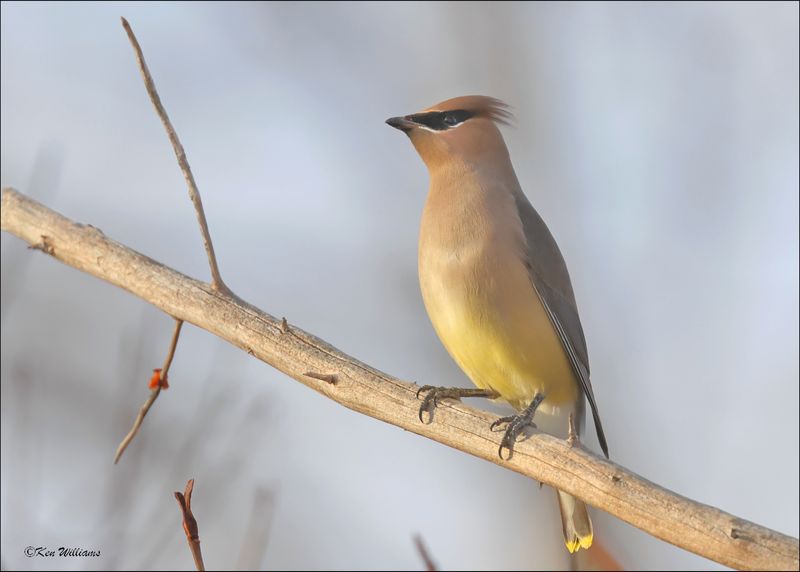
x=401, y=123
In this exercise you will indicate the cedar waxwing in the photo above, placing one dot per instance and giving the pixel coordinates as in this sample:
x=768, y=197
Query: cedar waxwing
x=494, y=283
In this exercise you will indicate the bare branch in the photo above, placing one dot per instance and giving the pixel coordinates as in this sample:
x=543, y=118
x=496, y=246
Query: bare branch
x=154, y=392
x=176, y=333
x=190, y=524
x=194, y=193
x=702, y=529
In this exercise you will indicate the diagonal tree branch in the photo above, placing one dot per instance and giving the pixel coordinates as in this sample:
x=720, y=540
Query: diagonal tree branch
x=154, y=392
x=696, y=527
x=183, y=162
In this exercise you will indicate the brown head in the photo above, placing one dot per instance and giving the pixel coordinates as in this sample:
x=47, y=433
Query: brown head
x=462, y=129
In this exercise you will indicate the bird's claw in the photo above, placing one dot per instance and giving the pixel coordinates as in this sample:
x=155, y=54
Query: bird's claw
x=424, y=388
x=435, y=394
x=516, y=428
x=430, y=401
x=501, y=421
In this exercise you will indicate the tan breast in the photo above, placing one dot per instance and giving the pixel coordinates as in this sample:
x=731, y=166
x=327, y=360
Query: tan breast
x=479, y=296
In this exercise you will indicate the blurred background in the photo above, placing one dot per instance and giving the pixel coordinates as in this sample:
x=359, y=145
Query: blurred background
x=658, y=141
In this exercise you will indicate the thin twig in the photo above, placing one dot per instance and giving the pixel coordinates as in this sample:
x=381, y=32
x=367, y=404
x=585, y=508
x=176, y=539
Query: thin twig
x=689, y=524
x=154, y=393
x=430, y=565
x=194, y=193
x=190, y=524
x=328, y=377
x=172, y=345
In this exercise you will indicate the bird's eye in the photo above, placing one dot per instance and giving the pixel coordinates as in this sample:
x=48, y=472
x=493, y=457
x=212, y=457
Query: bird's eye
x=450, y=119
x=455, y=117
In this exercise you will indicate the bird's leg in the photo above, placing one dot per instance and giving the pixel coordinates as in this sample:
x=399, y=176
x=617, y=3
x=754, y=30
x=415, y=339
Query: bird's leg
x=572, y=435
x=516, y=425
x=434, y=394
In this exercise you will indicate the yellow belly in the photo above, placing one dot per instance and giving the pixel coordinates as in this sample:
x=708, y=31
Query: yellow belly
x=491, y=321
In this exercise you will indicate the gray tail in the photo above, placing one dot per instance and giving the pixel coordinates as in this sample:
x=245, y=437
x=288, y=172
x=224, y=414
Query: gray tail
x=575, y=521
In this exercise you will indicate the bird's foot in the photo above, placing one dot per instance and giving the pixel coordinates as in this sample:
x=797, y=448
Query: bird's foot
x=515, y=429
x=516, y=425
x=435, y=394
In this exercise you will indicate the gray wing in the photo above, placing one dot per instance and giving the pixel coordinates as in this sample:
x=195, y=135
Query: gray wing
x=551, y=280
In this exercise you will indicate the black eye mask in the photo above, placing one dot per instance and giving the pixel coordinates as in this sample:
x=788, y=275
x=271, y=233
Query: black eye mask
x=441, y=120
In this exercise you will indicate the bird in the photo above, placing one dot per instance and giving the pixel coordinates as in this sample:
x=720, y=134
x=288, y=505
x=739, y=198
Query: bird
x=495, y=285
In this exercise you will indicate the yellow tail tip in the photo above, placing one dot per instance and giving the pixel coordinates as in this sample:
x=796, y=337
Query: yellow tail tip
x=577, y=543
x=572, y=545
